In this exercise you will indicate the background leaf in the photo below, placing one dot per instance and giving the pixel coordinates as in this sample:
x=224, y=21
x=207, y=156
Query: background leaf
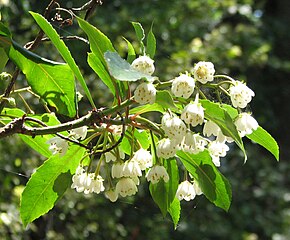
x=63, y=50
x=263, y=138
x=214, y=185
x=48, y=184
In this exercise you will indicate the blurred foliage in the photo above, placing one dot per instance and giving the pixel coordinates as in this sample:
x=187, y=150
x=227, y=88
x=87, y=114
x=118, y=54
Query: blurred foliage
x=244, y=38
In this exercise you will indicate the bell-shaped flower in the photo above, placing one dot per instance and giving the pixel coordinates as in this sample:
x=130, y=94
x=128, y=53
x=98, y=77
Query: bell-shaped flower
x=144, y=64
x=183, y=86
x=112, y=195
x=143, y=158
x=173, y=127
x=79, y=133
x=156, y=173
x=126, y=187
x=185, y=191
x=240, y=94
x=166, y=148
x=193, y=114
x=246, y=124
x=145, y=93
x=204, y=72
x=193, y=143
x=216, y=150
x=57, y=145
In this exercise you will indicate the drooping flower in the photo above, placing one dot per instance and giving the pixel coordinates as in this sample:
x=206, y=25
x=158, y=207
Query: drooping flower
x=126, y=187
x=156, y=173
x=173, y=127
x=166, y=148
x=112, y=195
x=57, y=145
x=193, y=143
x=145, y=93
x=216, y=150
x=245, y=124
x=117, y=170
x=79, y=133
x=197, y=189
x=240, y=94
x=203, y=72
x=185, y=191
x=211, y=128
x=110, y=156
x=143, y=158
x=131, y=169
x=193, y=114
x=183, y=86
x=144, y=64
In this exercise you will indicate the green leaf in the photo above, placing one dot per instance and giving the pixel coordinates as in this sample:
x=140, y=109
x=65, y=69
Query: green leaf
x=3, y=59
x=174, y=211
x=164, y=99
x=63, y=50
x=214, y=185
x=139, y=31
x=263, y=138
x=220, y=116
x=38, y=143
x=147, y=108
x=47, y=185
x=96, y=64
x=163, y=193
x=99, y=42
x=52, y=82
x=131, y=52
x=122, y=70
x=151, y=44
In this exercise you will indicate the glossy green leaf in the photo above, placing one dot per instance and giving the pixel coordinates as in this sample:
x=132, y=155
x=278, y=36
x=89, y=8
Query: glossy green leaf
x=121, y=70
x=214, y=185
x=220, y=116
x=96, y=64
x=47, y=185
x=63, y=50
x=99, y=42
x=139, y=31
x=151, y=44
x=174, y=211
x=164, y=99
x=52, y=82
x=163, y=193
x=263, y=138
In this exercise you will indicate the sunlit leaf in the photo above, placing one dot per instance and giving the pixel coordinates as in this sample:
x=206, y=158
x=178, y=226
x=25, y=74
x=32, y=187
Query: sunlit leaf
x=48, y=184
x=213, y=184
x=151, y=44
x=174, y=211
x=164, y=99
x=263, y=138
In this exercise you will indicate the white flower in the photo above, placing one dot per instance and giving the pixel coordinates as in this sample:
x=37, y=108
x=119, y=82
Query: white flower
x=126, y=187
x=112, y=195
x=131, y=169
x=245, y=124
x=203, y=72
x=110, y=156
x=197, y=189
x=166, y=148
x=156, y=173
x=193, y=143
x=97, y=184
x=87, y=182
x=143, y=158
x=185, y=191
x=145, y=93
x=117, y=170
x=240, y=94
x=79, y=133
x=57, y=145
x=183, y=86
x=216, y=150
x=173, y=127
x=144, y=64
x=210, y=128
x=193, y=114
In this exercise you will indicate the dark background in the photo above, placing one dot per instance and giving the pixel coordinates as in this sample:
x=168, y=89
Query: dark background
x=247, y=39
